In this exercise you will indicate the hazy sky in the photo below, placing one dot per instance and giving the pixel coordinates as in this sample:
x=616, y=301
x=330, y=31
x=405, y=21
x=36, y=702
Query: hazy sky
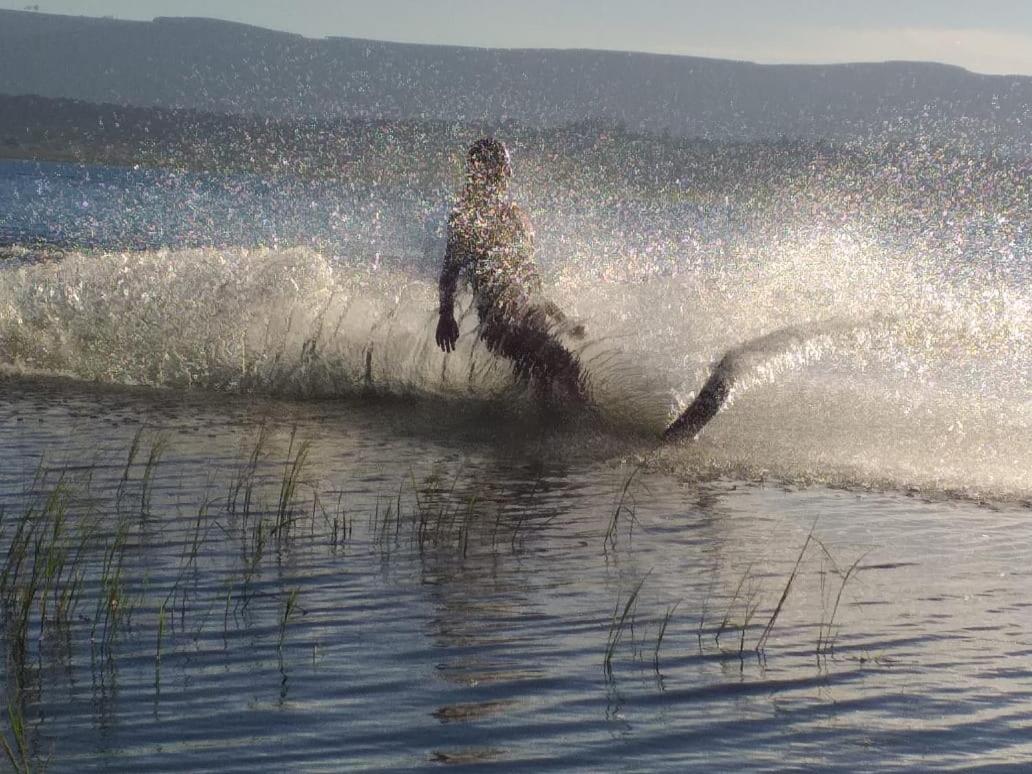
x=993, y=36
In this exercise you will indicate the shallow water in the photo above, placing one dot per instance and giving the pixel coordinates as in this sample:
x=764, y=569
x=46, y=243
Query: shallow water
x=487, y=642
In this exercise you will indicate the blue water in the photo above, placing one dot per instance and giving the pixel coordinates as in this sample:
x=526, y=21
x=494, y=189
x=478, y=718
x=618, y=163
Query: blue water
x=117, y=208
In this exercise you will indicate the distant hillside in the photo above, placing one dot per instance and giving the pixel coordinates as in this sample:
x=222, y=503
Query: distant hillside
x=232, y=68
x=46, y=129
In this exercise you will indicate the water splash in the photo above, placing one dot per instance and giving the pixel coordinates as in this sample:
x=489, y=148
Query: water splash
x=914, y=380
x=872, y=303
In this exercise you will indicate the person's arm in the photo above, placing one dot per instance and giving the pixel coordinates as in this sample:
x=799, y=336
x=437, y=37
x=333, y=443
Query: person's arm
x=447, y=327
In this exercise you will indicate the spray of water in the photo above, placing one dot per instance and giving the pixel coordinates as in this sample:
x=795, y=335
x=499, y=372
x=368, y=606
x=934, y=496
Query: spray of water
x=869, y=306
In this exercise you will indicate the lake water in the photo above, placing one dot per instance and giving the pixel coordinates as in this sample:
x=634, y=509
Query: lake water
x=294, y=535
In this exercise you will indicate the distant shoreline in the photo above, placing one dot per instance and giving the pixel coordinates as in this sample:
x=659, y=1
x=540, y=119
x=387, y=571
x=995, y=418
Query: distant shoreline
x=55, y=156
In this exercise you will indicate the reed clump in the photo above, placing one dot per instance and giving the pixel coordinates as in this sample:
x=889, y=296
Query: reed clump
x=73, y=561
x=742, y=611
x=621, y=621
x=624, y=510
x=48, y=541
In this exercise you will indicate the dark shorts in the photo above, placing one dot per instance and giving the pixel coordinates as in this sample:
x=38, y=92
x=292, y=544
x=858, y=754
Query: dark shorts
x=528, y=339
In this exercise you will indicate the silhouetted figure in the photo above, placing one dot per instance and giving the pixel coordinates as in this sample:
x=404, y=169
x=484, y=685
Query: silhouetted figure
x=491, y=242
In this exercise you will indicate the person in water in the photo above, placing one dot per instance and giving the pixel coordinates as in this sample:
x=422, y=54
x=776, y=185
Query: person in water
x=490, y=242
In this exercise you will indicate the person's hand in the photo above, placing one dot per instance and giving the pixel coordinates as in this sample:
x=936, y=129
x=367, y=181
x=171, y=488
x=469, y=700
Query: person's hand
x=447, y=332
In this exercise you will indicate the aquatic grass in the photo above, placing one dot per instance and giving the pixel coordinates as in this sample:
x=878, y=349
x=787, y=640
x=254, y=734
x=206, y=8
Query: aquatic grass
x=286, y=506
x=705, y=608
x=255, y=542
x=747, y=599
x=825, y=641
x=335, y=535
x=162, y=617
x=729, y=612
x=623, y=508
x=41, y=575
x=241, y=502
x=437, y=507
x=134, y=449
x=380, y=520
x=50, y=550
x=17, y=551
x=288, y=610
x=467, y=520
x=39, y=585
x=785, y=592
x=752, y=605
x=154, y=456
x=398, y=510
x=17, y=753
x=199, y=538
x=341, y=527
x=244, y=480
x=662, y=632
x=114, y=606
x=155, y=453
x=516, y=530
x=48, y=559
x=225, y=613
x=619, y=623
x=188, y=560
x=69, y=573
x=435, y=517
x=54, y=552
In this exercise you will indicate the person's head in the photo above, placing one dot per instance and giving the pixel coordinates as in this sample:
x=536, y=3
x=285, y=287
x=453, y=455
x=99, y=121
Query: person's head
x=488, y=165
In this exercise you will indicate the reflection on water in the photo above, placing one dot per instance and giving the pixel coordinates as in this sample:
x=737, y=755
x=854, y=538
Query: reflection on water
x=388, y=598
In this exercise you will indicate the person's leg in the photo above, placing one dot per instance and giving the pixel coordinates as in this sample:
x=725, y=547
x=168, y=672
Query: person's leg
x=536, y=354
x=707, y=403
